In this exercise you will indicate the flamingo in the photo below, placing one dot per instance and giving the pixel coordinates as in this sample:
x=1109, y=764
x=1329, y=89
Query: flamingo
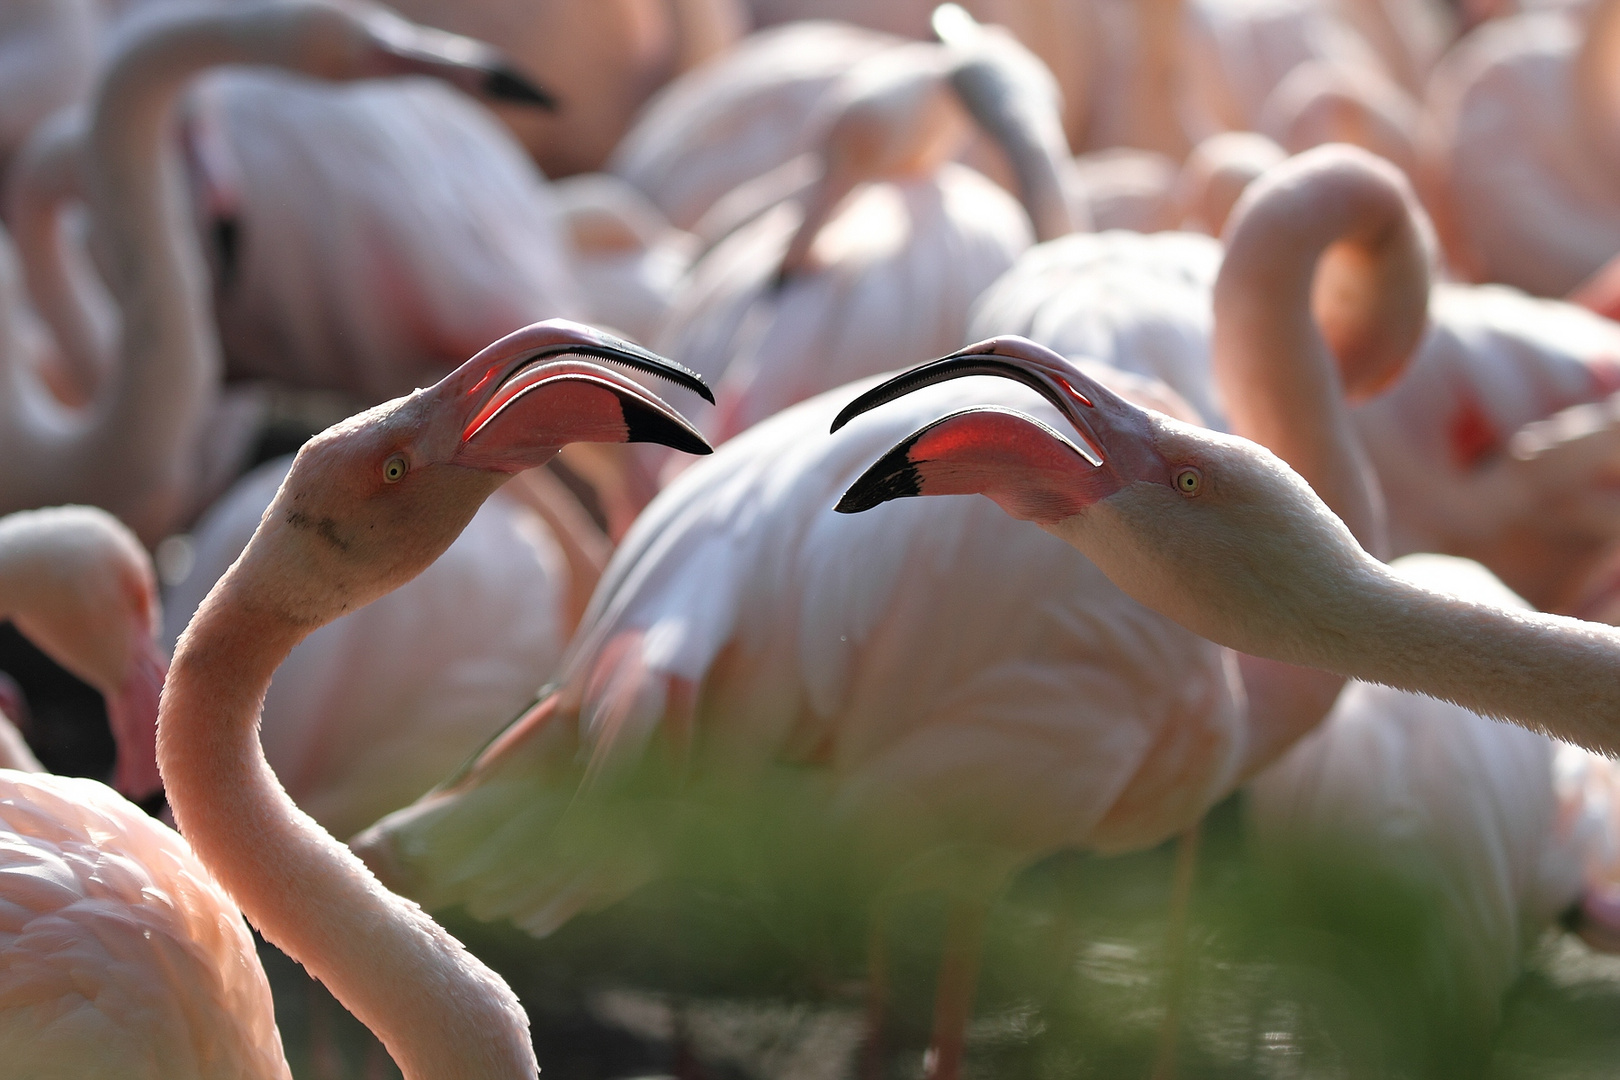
x=1520, y=151
x=123, y=956
x=1471, y=814
x=81, y=588
x=1443, y=438
x=734, y=120
x=434, y=236
x=928, y=661
x=104, y=905
x=133, y=449
x=366, y=507
x=789, y=305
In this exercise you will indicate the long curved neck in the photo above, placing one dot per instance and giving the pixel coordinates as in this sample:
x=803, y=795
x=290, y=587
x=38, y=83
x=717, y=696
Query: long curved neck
x=1029, y=129
x=1282, y=387
x=132, y=453
x=44, y=179
x=439, y=1011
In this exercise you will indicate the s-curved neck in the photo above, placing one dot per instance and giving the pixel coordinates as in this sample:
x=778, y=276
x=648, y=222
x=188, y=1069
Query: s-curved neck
x=131, y=451
x=1282, y=385
x=1279, y=381
x=438, y=1010
x=1028, y=127
x=45, y=178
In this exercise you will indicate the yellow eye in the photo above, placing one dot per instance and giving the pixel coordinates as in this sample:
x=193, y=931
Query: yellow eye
x=1189, y=481
x=395, y=468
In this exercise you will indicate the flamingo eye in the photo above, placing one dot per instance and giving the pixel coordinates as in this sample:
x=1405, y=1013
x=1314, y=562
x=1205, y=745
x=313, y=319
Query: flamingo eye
x=395, y=468
x=1189, y=480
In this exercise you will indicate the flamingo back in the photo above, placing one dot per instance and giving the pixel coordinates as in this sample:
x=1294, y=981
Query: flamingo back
x=122, y=957
x=378, y=269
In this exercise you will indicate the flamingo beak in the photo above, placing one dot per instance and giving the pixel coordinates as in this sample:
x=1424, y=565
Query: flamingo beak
x=1047, y=373
x=463, y=62
x=529, y=394
x=132, y=713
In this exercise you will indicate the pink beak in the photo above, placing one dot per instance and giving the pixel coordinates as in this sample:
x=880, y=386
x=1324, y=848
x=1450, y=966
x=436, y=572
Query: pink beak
x=530, y=393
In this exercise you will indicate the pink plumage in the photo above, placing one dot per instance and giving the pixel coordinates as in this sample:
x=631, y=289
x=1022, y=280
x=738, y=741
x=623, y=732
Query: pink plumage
x=119, y=955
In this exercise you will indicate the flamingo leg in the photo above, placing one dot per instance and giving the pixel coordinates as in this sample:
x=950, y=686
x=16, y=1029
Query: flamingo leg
x=958, y=980
x=1186, y=870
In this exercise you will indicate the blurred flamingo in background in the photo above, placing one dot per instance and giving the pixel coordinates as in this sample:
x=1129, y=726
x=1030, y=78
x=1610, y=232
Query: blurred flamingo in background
x=893, y=242
x=368, y=270
x=929, y=658
x=1521, y=149
x=135, y=447
x=738, y=118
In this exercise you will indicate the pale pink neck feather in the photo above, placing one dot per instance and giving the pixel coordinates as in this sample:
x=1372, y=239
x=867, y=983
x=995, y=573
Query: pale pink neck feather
x=440, y=1012
x=1547, y=672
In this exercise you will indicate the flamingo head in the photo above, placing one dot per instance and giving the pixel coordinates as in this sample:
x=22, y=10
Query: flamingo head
x=91, y=604
x=1206, y=528
x=370, y=502
x=355, y=41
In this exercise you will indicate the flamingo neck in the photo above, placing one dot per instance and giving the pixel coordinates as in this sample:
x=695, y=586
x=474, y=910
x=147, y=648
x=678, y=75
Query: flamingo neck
x=1282, y=386
x=1279, y=382
x=131, y=449
x=45, y=180
x=1545, y=672
x=440, y=1012
x=1030, y=133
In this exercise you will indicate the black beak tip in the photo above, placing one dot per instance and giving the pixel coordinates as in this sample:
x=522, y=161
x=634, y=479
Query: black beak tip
x=504, y=84
x=893, y=476
x=646, y=425
x=848, y=413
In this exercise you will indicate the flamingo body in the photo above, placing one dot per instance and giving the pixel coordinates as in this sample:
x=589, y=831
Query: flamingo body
x=1136, y=303
x=121, y=956
x=1524, y=197
x=739, y=117
x=893, y=274
x=934, y=660
x=384, y=232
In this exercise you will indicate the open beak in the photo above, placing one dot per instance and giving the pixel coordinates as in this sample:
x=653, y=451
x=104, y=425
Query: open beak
x=1046, y=372
x=132, y=713
x=531, y=393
